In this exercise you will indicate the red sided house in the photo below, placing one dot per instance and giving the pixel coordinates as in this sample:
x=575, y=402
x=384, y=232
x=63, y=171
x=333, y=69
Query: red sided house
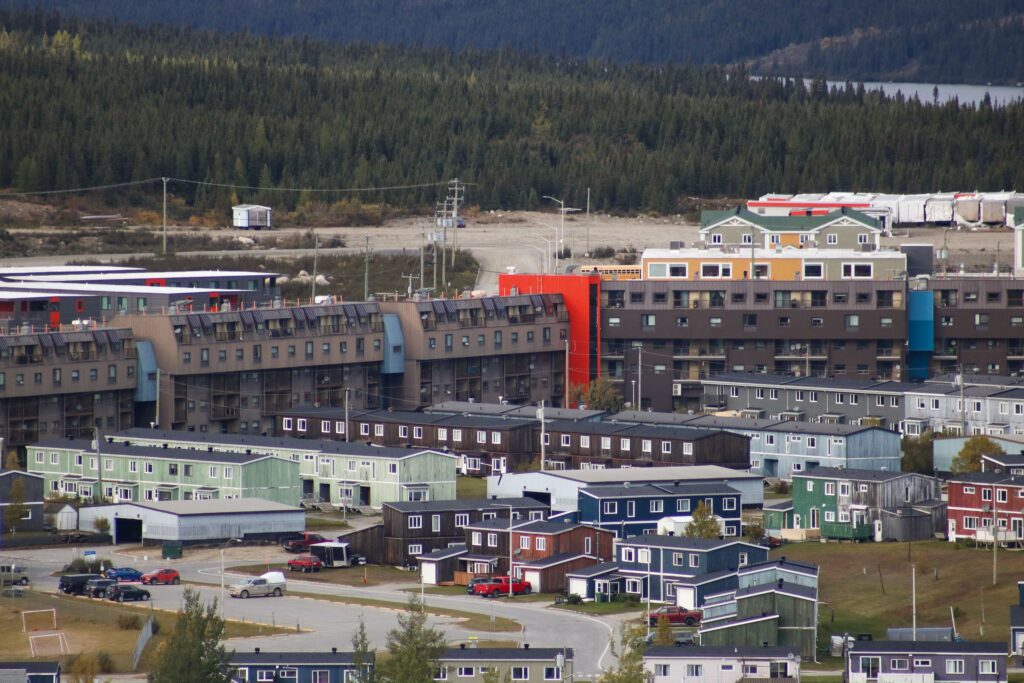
x=541, y=552
x=976, y=499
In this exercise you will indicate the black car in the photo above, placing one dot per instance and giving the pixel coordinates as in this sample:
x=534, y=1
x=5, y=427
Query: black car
x=97, y=588
x=123, y=593
x=74, y=584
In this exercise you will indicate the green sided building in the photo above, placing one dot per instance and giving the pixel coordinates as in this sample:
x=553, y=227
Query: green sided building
x=141, y=472
x=351, y=474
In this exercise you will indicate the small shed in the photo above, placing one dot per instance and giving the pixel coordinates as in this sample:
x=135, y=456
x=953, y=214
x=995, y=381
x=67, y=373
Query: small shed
x=251, y=217
x=439, y=566
x=911, y=523
x=63, y=516
x=931, y=634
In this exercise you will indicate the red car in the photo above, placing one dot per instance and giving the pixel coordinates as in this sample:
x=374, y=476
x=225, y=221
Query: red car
x=305, y=563
x=675, y=616
x=164, y=576
x=301, y=542
x=498, y=586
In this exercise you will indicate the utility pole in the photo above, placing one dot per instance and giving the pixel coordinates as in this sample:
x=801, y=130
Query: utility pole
x=410, y=278
x=346, y=415
x=565, y=388
x=423, y=238
x=543, y=436
x=366, y=270
x=640, y=376
x=588, y=221
x=316, y=254
x=165, y=214
x=963, y=404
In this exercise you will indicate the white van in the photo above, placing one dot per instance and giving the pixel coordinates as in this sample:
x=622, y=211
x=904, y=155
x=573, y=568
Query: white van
x=12, y=574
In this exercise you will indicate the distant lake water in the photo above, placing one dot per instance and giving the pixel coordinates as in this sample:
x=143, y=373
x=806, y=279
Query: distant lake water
x=966, y=94
x=1000, y=95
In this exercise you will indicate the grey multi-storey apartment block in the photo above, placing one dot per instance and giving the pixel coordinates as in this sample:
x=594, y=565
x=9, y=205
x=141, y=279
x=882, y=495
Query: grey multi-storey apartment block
x=894, y=661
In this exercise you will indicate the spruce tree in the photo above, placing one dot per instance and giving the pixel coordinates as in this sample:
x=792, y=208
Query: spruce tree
x=194, y=652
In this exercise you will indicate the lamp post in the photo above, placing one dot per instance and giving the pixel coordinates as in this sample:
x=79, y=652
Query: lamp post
x=547, y=258
x=562, y=209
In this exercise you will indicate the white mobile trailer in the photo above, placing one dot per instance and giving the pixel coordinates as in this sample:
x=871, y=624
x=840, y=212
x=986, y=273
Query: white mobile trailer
x=938, y=208
x=911, y=209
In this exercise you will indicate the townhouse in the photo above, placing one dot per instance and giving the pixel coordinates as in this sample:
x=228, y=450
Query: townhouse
x=120, y=472
x=33, y=489
x=989, y=405
x=845, y=228
x=859, y=505
x=631, y=510
x=332, y=472
x=410, y=529
x=774, y=602
x=588, y=443
x=956, y=662
x=479, y=664
x=545, y=552
x=722, y=664
x=668, y=569
x=979, y=500
x=300, y=667
x=830, y=400
x=1017, y=623
x=785, y=447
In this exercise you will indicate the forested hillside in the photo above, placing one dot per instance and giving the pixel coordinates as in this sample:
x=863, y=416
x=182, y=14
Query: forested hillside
x=951, y=41
x=89, y=103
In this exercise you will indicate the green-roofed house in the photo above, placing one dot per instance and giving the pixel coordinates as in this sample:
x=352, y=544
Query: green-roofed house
x=145, y=472
x=841, y=229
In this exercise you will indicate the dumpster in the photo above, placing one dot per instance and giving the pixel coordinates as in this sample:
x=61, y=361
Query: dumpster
x=171, y=550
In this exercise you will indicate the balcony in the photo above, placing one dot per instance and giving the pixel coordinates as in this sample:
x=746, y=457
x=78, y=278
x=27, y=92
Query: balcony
x=846, y=531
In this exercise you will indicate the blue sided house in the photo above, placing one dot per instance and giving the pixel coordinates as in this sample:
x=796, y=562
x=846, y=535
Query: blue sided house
x=632, y=510
x=296, y=667
x=669, y=569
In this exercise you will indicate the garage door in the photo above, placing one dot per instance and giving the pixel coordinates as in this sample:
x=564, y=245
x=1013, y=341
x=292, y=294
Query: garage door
x=429, y=570
x=578, y=587
x=533, y=577
x=686, y=596
x=127, y=530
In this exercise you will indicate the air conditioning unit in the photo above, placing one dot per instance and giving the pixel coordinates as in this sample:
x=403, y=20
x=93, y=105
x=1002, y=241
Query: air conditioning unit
x=677, y=389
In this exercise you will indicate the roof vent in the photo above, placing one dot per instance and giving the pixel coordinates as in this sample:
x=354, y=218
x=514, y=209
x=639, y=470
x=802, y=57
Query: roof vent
x=526, y=646
x=257, y=650
x=462, y=646
x=334, y=650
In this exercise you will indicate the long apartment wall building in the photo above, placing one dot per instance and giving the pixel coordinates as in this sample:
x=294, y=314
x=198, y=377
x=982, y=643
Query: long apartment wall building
x=71, y=384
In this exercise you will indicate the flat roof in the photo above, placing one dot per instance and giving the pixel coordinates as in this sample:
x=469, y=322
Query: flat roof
x=151, y=451
x=216, y=506
x=720, y=652
x=934, y=647
x=852, y=474
x=148, y=275
x=72, y=287
x=463, y=504
x=26, y=296
x=472, y=407
x=274, y=657
x=659, y=490
x=7, y=271
x=682, y=542
x=648, y=474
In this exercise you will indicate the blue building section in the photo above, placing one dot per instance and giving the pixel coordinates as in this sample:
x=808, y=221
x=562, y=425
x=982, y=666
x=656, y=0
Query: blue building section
x=679, y=569
x=394, y=345
x=633, y=510
x=146, y=384
x=920, y=333
x=297, y=667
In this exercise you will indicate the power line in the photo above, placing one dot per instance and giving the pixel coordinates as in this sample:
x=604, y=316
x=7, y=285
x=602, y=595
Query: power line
x=91, y=188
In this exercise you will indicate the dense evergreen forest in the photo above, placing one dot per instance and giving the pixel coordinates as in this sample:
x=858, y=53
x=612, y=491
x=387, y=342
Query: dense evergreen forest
x=950, y=41
x=88, y=103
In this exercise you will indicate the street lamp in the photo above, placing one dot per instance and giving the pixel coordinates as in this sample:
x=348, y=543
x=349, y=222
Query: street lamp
x=547, y=257
x=549, y=227
x=562, y=209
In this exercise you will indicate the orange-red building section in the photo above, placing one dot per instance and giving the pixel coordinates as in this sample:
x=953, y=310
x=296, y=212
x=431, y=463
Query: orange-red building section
x=582, y=296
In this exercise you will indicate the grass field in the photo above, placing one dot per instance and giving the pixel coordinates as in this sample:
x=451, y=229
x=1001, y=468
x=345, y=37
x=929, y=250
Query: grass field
x=367, y=575
x=470, y=487
x=461, y=591
x=598, y=608
x=948, y=575
x=92, y=625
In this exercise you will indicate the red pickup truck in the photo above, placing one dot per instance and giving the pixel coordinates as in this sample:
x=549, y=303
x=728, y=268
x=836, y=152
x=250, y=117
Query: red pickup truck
x=675, y=616
x=497, y=586
x=300, y=543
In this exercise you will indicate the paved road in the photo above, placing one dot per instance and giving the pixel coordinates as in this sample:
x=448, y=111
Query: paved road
x=333, y=624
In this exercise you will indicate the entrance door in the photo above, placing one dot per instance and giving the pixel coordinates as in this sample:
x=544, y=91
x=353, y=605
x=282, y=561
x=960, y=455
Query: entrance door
x=1017, y=525
x=307, y=488
x=325, y=493
x=796, y=521
x=814, y=518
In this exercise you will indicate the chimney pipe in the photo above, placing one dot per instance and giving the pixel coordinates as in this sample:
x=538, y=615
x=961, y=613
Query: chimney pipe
x=257, y=650
x=526, y=646
x=334, y=650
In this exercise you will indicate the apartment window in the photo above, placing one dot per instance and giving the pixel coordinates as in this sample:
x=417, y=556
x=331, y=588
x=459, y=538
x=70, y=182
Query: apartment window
x=830, y=516
x=415, y=521
x=922, y=663
x=729, y=503
x=481, y=436
x=492, y=540
x=461, y=519
x=656, y=505
x=457, y=435
x=147, y=466
x=301, y=424
x=695, y=670
x=987, y=666
x=417, y=433
x=954, y=666
x=403, y=432
x=392, y=468
x=552, y=673
x=662, y=669
x=694, y=560
x=899, y=664
x=520, y=673
x=852, y=321
x=441, y=673
x=715, y=322
x=466, y=671
x=378, y=430
x=610, y=507
x=286, y=423
x=683, y=505
x=648, y=320
x=814, y=271
x=682, y=321
x=858, y=271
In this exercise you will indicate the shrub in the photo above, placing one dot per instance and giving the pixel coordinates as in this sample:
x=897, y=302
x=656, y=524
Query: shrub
x=574, y=599
x=156, y=626
x=129, y=622
x=101, y=525
x=602, y=252
x=782, y=488
x=627, y=597
x=81, y=566
x=105, y=661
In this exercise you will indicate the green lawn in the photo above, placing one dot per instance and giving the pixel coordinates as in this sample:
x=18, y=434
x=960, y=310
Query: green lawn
x=603, y=607
x=470, y=487
x=367, y=575
x=866, y=587
x=461, y=590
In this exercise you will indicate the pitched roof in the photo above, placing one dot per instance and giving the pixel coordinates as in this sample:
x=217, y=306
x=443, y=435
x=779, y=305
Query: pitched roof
x=681, y=542
x=922, y=647
x=500, y=654
x=595, y=570
x=444, y=553
x=465, y=504
x=285, y=658
x=551, y=561
x=721, y=652
x=851, y=474
x=658, y=490
x=709, y=219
